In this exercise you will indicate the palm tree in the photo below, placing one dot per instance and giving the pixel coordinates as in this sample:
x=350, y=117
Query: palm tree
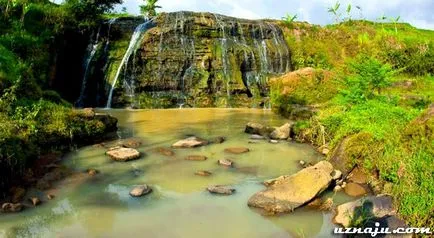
x=395, y=21
x=289, y=19
x=149, y=9
x=334, y=10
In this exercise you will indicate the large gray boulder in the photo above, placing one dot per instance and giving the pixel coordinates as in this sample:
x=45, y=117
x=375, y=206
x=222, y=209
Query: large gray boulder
x=372, y=207
x=289, y=192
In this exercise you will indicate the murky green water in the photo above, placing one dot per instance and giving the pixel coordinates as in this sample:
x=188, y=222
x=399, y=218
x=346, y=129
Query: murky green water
x=100, y=206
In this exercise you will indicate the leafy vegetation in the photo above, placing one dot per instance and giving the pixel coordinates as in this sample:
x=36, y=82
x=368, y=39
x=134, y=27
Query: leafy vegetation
x=150, y=8
x=379, y=103
x=34, y=118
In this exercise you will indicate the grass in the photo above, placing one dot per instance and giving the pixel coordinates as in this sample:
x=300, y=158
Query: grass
x=387, y=126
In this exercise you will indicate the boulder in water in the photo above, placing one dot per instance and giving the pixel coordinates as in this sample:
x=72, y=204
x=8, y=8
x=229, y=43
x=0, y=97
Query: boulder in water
x=372, y=207
x=237, y=150
x=196, y=157
x=281, y=133
x=190, y=142
x=123, y=154
x=295, y=190
x=221, y=189
x=256, y=137
x=140, y=190
x=257, y=129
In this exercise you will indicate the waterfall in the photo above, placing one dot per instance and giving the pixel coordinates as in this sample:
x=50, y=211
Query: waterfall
x=92, y=50
x=279, y=40
x=223, y=43
x=276, y=44
x=135, y=38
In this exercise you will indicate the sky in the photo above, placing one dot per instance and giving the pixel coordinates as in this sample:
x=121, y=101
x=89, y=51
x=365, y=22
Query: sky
x=419, y=13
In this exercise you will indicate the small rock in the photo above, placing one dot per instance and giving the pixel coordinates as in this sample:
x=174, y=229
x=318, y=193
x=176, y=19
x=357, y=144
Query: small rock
x=92, y=172
x=196, y=157
x=140, y=190
x=190, y=142
x=337, y=174
x=344, y=184
x=337, y=188
x=281, y=133
x=220, y=189
x=237, y=150
x=256, y=137
x=50, y=196
x=203, y=173
x=35, y=201
x=123, y=154
x=325, y=151
x=12, y=207
x=218, y=140
x=164, y=151
x=355, y=190
x=226, y=162
x=274, y=141
x=253, y=142
x=302, y=163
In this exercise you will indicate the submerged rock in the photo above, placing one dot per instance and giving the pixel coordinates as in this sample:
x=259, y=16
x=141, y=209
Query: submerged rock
x=256, y=137
x=218, y=140
x=355, y=190
x=123, y=154
x=369, y=207
x=190, y=142
x=140, y=190
x=237, y=150
x=295, y=190
x=226, y=162
x=221, y=189
x=164, y=151
x=196, y=157
x=281, y=133
x=203, y=173
x=12, y=207
x=92, y=172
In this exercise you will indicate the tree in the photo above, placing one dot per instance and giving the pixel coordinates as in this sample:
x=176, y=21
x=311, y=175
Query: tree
x=395, y=21
x=149, y=9
x=367, y=75
x=289, y=19
x=335, y=11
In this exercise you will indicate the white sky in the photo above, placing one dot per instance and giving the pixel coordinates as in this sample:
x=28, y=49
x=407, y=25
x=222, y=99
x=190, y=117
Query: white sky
x=419, y=13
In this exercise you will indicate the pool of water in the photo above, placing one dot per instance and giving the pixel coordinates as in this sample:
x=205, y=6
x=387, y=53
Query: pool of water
x=179, y=206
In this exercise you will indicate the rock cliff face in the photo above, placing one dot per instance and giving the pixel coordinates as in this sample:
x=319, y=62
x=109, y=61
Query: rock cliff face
x=186, y=59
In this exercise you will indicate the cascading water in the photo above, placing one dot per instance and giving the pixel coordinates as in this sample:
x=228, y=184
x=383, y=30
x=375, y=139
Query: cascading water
x=131, y=47
x=224, y=49
x=92, y=48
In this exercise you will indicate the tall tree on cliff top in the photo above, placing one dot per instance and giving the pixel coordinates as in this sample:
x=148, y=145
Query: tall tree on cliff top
x=150, y=8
